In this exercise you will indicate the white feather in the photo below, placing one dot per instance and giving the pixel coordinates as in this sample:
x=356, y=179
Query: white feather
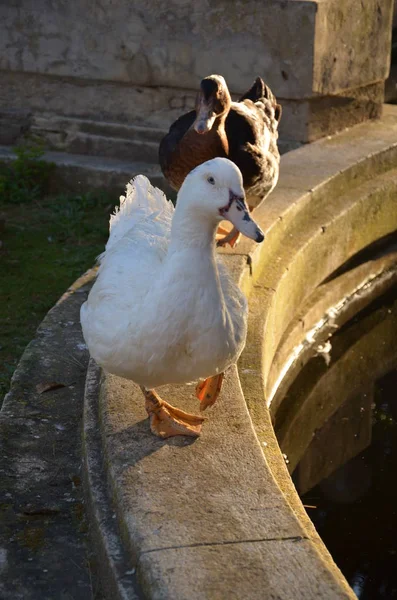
x=141, y=201
x=157, y=314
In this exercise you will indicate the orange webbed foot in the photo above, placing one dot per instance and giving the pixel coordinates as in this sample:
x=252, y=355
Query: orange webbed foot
x=232, y=238
x=222, y=230
x=207, y=391
x=168, y=421
x=227, y=236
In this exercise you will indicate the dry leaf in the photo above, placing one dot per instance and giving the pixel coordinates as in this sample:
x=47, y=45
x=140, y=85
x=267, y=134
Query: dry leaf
x=48, y=385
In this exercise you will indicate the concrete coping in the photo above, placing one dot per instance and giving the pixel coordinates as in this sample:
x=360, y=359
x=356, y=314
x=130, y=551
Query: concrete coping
x=219, y=517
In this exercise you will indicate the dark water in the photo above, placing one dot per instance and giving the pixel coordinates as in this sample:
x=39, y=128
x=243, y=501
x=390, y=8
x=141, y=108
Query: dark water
x=339, y=432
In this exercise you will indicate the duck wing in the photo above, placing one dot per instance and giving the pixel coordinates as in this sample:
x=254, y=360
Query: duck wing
x=134, y=255
x=170, y=141
x=138, y=240
x=142, y=203
x=261, y=93
x=256, y=91
x=248, y=140
x=252, y=132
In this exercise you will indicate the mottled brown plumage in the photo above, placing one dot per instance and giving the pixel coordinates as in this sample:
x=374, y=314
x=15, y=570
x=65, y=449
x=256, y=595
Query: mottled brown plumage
x=206, y=147
x=246, y=132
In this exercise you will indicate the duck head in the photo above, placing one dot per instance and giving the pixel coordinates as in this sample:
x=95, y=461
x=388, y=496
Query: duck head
x=213, y=101
x=215, y=192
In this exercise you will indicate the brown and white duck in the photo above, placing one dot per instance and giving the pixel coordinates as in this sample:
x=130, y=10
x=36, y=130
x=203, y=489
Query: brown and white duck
x=245, y=132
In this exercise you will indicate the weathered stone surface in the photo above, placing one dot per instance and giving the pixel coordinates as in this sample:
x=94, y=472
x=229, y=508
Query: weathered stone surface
x=352, y=44
x=317, y=401
x=311, y=177
x=105, y=100
x=178, y=501
x=43, y=533
x=206, y=568
x=311, y=119
x=331, y=305
x=303, y=120
x=313, y=251
x=83, y=136
x=83, y=118
x=160, y=43
x=13, y=125
x=116, y=573
x=177, y=43
x=143, y=60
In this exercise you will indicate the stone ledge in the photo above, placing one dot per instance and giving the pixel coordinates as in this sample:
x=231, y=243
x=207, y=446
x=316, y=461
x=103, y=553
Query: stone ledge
x=353, y=159
x=43, y=533
x=178, y=501
x=117, y=577
x=191, y=513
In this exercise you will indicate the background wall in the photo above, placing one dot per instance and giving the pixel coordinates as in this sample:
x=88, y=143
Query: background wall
x=141, y=60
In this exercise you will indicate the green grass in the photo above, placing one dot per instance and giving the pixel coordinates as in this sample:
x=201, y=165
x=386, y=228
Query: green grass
x=45, y=245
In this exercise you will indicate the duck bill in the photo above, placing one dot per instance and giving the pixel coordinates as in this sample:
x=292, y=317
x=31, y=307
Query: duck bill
x=238, y=214
x=204, y=120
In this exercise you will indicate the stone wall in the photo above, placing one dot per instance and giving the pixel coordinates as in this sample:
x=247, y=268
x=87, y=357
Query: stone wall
x=141, y=60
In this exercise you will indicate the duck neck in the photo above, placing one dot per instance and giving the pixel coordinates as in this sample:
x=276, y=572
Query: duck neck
x=214, y=142
x=219, y=130
x=219, y=123
x=192, y=231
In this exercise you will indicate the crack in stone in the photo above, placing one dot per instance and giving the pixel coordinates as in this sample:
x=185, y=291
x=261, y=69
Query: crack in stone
x=293, y=538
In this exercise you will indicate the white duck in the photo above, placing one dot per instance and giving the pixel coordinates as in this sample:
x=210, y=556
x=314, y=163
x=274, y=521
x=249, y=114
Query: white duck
x=163, y=308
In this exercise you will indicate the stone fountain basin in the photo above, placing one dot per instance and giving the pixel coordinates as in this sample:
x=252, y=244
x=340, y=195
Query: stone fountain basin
x=219, y=517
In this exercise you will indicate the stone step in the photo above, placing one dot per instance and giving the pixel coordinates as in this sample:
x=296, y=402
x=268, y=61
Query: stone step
x=52, y=122
x=85, y=136
x=98, y=145
x=79, y=172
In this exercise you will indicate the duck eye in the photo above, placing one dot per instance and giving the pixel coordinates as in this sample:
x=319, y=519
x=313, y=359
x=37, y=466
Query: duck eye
x=211, y=180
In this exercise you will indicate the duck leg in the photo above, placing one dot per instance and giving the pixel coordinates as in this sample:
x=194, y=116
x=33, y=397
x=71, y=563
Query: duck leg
x=232, y=238
x=221, y=230
x=208, y=390
x=166, y=420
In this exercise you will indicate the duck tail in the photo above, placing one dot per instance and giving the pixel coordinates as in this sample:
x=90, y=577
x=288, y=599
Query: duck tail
x=141, y=200
x=260, y=92
x=256, y=92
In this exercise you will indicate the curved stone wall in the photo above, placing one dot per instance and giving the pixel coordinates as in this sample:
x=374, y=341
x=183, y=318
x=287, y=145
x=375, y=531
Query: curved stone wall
x=220, y=517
